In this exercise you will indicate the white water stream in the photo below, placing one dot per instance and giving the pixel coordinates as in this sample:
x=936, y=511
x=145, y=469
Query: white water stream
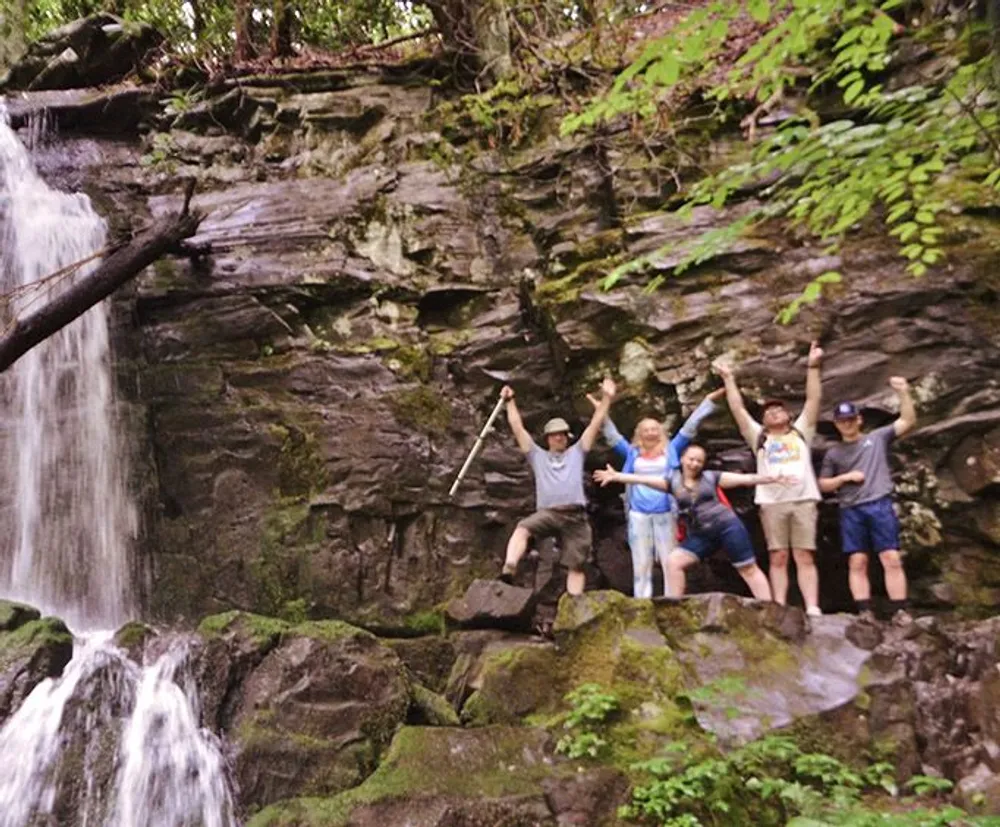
x=109, y=742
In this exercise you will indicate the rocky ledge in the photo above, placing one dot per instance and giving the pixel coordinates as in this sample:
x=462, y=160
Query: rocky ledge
x=32, y=648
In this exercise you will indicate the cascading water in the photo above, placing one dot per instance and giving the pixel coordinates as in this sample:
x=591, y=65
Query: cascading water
x=70, y=524
x=109, y=742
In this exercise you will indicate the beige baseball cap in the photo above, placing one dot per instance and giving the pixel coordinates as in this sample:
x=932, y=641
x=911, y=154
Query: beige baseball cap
x=557, y=425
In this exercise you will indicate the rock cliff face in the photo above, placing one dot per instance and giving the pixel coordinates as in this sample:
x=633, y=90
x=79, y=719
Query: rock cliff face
x=304, y=395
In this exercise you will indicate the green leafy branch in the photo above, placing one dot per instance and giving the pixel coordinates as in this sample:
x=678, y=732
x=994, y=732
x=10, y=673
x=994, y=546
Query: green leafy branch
x=886, y=161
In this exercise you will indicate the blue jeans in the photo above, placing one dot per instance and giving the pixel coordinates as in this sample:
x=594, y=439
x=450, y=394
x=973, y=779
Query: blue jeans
x=649, y=536
x=732, y=535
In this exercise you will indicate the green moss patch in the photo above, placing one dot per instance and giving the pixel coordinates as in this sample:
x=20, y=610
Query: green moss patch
x=422, y=408
x=14, y=615
x=491, y=762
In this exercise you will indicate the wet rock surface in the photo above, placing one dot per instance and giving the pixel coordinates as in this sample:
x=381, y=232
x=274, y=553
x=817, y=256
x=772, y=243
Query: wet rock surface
x=312, y=387
x=32, y=649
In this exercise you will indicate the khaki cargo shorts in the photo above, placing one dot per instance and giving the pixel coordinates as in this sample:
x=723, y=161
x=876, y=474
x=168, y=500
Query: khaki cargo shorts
x=789, y=525
x=570, y=525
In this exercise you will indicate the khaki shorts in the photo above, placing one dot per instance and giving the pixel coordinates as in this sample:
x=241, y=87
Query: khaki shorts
x=789, y=525
x=570, y=526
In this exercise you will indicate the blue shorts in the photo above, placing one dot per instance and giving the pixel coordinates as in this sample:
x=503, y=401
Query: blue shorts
x=732, y=536
x=870, y=526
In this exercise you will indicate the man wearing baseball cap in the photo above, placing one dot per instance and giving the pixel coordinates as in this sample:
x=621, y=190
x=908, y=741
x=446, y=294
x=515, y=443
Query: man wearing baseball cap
x=857, y=469
x=559, y=496
x=788, y=510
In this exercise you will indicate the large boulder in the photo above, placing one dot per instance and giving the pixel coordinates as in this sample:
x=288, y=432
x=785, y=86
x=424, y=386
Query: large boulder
x=91, y=51
x=490, y=777
x=308, y=708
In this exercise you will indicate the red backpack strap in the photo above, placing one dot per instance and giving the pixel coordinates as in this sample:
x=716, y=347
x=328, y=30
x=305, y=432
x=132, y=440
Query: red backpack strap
x=722, y=496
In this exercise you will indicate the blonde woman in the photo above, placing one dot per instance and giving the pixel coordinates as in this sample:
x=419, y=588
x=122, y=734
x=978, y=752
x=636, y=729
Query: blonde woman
x=652, y=514
x=710, y=522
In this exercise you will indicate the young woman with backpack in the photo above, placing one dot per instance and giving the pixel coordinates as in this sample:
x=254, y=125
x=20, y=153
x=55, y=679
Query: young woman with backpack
x=651, y=514
x=709, y=522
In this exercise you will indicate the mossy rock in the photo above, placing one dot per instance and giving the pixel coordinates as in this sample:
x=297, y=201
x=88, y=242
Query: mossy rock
x=429, y=659
x=431, y=709
x=132, y=637
x=422, y=408
x=14, y=615
x=36, y=650
x=316, y=711
x=262, y=630
x=426, y=769
x=46, y=640
x=514, y=684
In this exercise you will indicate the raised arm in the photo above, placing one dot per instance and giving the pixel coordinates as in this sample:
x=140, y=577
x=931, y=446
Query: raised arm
x=524, y=440
x=907, y=411
x=814, y=382
x=610, y=432
x=689, y=430
x=746, y=423
x=589, y=435
x=609, y=475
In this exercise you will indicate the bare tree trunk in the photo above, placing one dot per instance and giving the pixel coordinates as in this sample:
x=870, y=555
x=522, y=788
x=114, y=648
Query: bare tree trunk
x=198, y=18
x=477, y=33
x=281, y=29
x=243, y=23
x=118, y=268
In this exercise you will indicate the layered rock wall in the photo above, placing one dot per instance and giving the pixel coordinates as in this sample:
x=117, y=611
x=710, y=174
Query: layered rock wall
x=306, y=393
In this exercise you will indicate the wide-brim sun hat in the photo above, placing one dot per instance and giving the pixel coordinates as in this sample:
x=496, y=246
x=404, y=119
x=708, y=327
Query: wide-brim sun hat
x=557, y=425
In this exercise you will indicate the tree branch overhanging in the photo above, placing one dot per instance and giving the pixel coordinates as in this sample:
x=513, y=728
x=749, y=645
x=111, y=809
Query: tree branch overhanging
x=165, y=236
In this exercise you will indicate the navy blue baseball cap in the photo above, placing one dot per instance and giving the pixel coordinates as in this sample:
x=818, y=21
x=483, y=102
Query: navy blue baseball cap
x=846, y=410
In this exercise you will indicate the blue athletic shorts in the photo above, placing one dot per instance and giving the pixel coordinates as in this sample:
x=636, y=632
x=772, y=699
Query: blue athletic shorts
x=732, y=536
x=870, y=526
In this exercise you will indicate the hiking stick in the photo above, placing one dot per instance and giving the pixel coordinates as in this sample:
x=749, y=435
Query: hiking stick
x=477, y=446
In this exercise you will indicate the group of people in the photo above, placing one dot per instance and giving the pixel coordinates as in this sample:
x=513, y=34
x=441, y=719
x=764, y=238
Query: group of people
x=677, y=511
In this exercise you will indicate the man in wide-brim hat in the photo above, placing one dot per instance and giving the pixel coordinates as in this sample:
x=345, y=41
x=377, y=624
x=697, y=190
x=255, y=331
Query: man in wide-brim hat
x=559, y=496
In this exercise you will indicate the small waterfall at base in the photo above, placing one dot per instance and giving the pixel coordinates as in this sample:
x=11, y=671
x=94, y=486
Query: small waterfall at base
x=115, y=744
x=109, y=742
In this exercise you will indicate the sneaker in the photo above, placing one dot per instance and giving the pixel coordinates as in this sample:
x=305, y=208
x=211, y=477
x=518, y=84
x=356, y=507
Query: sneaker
x=814, y=611
x=506, y=576
x=867, y=616
x=902, y=618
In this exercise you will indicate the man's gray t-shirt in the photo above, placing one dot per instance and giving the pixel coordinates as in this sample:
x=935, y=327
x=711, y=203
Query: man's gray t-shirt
x=869, y=454
x=558, y=476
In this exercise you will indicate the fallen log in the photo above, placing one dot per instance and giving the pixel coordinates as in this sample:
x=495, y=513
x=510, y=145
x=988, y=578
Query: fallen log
x=122, y=265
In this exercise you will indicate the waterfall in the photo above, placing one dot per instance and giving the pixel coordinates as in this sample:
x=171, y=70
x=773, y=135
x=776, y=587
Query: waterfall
x=68, y=525
x=109, y=743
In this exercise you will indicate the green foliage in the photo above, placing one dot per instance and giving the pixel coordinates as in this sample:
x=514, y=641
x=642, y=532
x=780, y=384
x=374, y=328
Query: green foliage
x=590, y=709
x=929, y=785
x=883, y=160
x=766, y=782
x=316, y=24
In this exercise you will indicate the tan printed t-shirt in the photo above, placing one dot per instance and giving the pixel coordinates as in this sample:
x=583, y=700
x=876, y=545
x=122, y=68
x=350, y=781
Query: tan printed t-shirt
x=787, y=455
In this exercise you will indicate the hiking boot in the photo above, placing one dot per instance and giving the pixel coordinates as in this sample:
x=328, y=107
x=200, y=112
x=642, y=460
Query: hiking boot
x=902, y=618
x=814, y=611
